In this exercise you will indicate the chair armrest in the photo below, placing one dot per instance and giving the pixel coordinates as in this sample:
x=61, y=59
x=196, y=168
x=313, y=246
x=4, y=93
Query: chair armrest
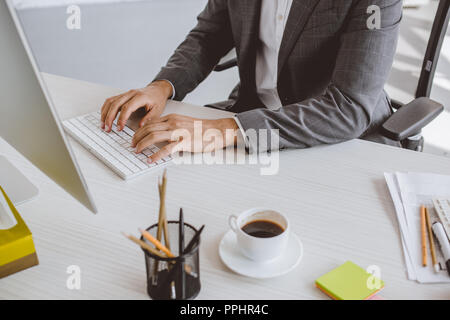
x=226, y=65
x=411, y=118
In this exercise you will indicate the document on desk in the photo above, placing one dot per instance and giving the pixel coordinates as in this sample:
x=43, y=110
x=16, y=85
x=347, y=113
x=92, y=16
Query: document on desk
x=409, y=191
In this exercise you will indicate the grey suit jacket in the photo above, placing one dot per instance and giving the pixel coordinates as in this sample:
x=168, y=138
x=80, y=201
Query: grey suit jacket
x=331, y=68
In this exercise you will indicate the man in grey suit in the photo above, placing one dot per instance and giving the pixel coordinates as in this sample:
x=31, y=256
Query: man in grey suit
x=314, y=70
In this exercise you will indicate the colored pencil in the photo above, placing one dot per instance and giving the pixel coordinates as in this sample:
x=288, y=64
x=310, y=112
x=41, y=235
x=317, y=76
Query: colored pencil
x=144, y=245
x=156, y=243
x=423, y=231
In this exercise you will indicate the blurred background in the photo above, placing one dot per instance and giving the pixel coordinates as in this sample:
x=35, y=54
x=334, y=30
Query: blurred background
x=124, y=43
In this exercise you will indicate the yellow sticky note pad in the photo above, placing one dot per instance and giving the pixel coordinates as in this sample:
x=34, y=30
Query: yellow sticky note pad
x=17, y=251
x=349, y=282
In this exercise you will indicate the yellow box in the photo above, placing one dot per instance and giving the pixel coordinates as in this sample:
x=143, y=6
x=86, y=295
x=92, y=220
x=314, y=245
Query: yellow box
x=17, y=251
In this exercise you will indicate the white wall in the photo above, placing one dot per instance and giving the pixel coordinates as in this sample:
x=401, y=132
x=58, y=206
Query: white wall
x=25, y=4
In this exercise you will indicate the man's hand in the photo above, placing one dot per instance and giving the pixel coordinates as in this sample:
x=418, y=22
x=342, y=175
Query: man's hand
x=183, y=134
x=153, y=98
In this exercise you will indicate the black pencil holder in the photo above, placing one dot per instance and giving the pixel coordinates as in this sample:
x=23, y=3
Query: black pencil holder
x=178, y=277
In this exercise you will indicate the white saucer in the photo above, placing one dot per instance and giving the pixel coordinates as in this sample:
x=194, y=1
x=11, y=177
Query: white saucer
x=236, y=261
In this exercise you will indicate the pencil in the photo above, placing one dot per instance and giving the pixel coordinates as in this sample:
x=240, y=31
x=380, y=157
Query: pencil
x=144, y=245
x=423, y=236
x=162, y=219
x=160, y=228
x=431, y=241
x=165, y=225
x=147, y=247
x=160, y=214
x=157, y=244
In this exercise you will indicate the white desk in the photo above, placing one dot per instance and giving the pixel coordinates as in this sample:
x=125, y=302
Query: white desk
x=335, y=196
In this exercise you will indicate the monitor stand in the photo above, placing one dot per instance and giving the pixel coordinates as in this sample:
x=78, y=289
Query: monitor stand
x=18, y=188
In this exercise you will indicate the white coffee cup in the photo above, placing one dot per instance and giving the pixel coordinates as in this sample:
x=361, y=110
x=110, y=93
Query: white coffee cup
x=256, y=248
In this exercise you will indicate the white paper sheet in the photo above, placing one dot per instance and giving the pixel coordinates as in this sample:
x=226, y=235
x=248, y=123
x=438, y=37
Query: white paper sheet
x=409, y=191
x=391, y=181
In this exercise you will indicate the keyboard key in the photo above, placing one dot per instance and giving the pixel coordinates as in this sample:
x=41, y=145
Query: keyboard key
x=102, y=139
x=95, y=148
x=128, y=131
x=113, y=148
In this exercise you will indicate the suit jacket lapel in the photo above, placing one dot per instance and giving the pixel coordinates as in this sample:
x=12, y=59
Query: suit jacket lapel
x=298, y=16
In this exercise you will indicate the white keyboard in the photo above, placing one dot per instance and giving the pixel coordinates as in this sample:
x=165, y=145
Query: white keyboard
x=113, y=148
x=442, y=207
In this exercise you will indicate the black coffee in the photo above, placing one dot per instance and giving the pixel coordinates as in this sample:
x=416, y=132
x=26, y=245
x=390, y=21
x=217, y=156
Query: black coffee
x=262, y=229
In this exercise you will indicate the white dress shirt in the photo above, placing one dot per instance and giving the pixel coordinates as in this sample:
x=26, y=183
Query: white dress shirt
x=273, y=18
x=274, y=15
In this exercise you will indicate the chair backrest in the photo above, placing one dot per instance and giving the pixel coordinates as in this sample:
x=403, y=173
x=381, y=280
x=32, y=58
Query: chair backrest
x=433, y=51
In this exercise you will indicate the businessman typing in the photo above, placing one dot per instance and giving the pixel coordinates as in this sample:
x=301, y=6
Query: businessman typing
x=313, y=70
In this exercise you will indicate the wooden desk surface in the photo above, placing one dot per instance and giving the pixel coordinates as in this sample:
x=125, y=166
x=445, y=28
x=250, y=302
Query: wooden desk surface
x=335, y=196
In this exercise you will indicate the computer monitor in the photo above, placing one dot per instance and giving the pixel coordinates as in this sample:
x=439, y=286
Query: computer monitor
x=28, y=120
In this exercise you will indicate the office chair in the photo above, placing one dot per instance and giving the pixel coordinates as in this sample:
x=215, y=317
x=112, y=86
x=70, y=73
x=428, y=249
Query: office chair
x=408, y=120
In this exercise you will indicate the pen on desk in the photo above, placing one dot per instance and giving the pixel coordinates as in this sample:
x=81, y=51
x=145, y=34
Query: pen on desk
x=444, y=243
x=431, y=241
x=181, y=253
x=423, y=231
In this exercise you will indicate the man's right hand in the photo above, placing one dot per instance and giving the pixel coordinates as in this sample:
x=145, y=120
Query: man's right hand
x=153, y=97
